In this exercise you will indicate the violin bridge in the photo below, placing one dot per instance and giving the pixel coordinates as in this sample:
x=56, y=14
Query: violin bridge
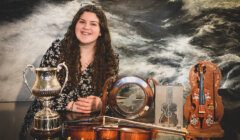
x=201, y=109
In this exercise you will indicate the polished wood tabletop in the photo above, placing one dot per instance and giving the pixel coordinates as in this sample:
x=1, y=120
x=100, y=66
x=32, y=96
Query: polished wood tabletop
x=12, y=116
x=11, y=119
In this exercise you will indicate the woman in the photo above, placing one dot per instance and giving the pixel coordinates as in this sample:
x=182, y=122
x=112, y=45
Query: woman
x=86, y=49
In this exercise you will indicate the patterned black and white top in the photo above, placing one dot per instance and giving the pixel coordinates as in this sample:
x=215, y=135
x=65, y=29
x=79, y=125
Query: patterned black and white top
x=69, y=93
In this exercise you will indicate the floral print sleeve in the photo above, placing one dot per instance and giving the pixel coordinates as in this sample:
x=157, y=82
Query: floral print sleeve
x=69, y=92
x=52, y=56
x=52, y=59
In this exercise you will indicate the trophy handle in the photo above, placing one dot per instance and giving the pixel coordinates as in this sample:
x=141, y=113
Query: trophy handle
x=32, y=68
x=59, y=67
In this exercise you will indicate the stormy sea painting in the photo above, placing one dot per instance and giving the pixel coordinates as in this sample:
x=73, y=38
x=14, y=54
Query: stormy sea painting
x=158, y=38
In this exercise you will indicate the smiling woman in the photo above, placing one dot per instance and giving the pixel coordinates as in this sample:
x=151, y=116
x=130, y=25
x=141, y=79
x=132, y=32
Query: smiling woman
x=86, y=49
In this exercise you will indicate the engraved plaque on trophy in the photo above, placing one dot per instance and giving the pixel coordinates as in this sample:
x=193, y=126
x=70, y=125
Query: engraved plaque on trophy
x=45, y=88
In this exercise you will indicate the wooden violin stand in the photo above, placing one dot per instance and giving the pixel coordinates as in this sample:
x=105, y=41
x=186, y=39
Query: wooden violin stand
x=203, y=107
x=205, y=134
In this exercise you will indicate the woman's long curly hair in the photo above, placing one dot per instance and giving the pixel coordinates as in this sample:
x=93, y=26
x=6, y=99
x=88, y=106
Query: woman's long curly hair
x=105, y=62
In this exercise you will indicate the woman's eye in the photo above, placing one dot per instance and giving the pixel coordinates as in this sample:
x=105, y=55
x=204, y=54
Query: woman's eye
x=80, y=21
x=94, y=24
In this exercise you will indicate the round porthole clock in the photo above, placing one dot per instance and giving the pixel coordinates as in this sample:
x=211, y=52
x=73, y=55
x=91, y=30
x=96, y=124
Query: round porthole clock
x=130, y=97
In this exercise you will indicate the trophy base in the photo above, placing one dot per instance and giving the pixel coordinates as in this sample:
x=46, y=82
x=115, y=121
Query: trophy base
x=46, y=123
x=45, y=134
x=46, y=119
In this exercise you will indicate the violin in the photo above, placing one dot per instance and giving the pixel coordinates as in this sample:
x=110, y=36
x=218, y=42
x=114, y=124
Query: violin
x=92, y=131
x=203, y=107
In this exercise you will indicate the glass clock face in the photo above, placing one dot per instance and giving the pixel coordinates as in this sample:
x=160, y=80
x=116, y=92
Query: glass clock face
x=131, y=97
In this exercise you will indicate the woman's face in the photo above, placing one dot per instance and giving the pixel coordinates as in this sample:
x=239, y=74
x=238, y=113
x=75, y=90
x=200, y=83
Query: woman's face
x=87, y=29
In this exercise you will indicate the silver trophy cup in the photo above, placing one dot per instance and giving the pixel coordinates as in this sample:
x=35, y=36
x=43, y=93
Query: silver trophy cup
x=45, y=88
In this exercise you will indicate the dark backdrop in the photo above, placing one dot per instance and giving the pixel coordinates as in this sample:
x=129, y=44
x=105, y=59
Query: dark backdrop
x=159, y=38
